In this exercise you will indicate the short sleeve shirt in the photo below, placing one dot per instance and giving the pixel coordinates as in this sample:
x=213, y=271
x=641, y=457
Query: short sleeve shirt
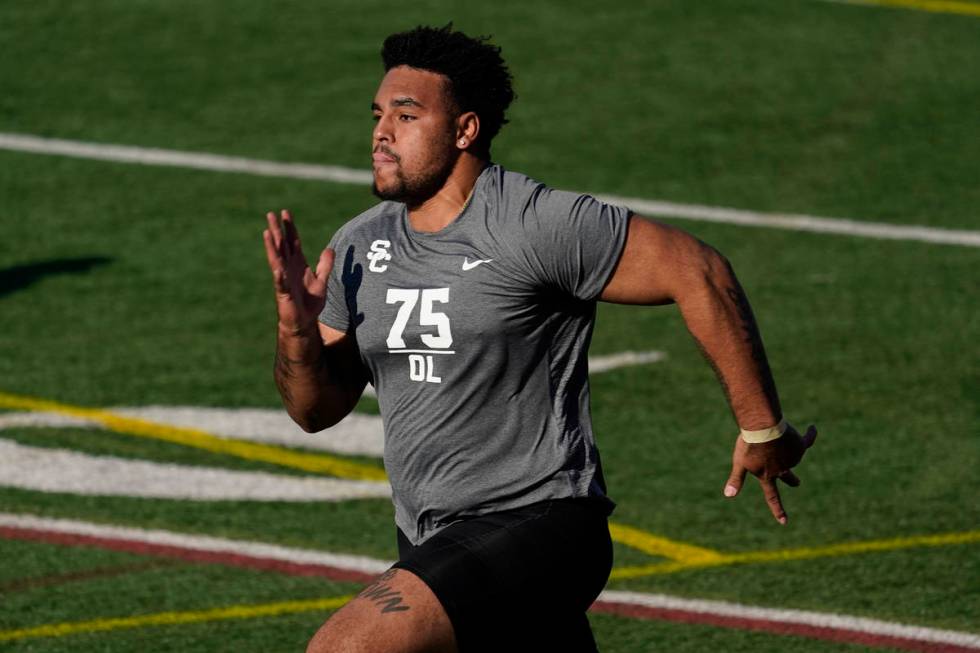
x=476, y=340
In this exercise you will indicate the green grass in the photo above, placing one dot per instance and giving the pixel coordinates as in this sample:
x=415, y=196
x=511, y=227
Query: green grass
x=129, y=285
x=794, y=106
x=177, y=587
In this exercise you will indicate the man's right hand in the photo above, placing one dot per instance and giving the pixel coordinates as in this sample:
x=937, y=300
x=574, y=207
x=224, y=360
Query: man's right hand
x=300, y=292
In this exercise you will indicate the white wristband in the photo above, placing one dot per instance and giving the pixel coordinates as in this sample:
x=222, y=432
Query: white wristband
x=764, y=435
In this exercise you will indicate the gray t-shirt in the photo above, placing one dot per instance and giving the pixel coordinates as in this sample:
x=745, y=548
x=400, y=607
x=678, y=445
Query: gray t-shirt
x=476, y=339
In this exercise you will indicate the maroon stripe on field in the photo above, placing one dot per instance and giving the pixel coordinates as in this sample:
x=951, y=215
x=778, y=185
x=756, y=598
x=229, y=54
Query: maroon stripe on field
x=843, y=635
x=185, y=553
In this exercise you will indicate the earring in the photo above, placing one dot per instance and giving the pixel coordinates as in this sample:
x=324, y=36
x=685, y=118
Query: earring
x=462, y=142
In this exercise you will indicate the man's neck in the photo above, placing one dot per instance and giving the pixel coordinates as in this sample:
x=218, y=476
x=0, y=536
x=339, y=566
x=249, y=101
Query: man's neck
x=437, y=212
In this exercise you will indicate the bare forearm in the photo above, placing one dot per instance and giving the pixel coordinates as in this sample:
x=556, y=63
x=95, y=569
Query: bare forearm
x=661, y=264
x=719, y=316
x=308, y=381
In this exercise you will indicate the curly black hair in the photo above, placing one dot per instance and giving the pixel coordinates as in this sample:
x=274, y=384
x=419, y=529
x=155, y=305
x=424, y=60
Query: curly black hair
x=479, y=78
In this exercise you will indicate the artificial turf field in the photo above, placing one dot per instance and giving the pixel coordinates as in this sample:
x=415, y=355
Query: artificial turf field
x=126, y=285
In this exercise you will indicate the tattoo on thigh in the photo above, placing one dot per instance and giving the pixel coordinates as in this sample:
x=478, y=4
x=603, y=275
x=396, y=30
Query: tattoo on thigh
x=383, y=596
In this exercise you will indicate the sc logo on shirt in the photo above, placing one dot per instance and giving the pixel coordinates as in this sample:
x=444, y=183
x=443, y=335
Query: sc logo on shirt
x=379, y=252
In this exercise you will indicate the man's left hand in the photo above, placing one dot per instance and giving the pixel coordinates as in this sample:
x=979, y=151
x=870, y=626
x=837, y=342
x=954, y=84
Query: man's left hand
x=769, y=461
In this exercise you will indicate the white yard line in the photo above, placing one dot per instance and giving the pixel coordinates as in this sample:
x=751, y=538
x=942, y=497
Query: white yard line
x=600, y=364
x=803, y=617
x=197, y=542
x=61, y=470
x=356, y=434
x=174, y=158
x=840, y=626
x=797, y=222
x=44, y=469
x=340, y=174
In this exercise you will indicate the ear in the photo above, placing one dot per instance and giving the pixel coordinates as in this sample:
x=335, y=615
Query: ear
x=467, y=130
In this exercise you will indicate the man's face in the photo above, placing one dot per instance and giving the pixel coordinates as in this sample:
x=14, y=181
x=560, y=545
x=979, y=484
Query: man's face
x=413, y=140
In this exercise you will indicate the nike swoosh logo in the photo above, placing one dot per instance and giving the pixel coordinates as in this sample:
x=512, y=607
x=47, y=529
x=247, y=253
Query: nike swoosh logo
x=469, y=266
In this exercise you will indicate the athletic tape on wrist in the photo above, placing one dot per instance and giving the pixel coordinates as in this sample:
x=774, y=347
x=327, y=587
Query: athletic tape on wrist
x=764, y=435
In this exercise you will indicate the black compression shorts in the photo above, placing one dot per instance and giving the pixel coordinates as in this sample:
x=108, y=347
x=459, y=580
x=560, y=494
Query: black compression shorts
x=518, y=580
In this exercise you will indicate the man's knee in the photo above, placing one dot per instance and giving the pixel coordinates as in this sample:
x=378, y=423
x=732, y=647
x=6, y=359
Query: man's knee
x=397, y=613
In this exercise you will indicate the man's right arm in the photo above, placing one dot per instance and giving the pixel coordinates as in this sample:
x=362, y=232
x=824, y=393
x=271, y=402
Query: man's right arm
x=318, y=370
x=319, y=374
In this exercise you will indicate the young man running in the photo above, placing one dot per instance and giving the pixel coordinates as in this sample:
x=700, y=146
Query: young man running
x=467, y=298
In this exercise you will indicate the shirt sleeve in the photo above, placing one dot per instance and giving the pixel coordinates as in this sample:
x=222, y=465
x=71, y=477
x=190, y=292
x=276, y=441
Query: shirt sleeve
x=335, y=313
x=574, y=240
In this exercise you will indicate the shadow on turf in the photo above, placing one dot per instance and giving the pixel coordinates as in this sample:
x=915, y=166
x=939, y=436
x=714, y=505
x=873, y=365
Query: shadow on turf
x=20, y=277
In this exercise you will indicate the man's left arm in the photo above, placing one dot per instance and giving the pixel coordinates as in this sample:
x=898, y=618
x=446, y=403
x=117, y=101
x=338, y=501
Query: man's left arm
x=662, y=265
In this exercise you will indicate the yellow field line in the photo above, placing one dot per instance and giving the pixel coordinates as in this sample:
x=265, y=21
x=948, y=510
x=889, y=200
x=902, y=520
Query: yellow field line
x=805, y=553
x=291, y=607
x=935, y=6
x=661, y=546
x=174, y=618
x=682, y=556
x=318, y=463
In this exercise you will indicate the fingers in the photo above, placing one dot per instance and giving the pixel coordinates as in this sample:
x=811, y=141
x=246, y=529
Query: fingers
x=770, y=462
x=285, y=237
x=735, y=480
x=325, y=264
x=275, y=261
x=810, y=436
x=281, y=242
x=769, y=489
x=789, y=478
x=775, y=503
x=291, y=235
x=317, y=284
x=274, y=230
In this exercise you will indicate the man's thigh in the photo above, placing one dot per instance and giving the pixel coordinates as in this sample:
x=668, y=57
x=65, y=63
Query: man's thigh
x=397, y=613
x=518, y=580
